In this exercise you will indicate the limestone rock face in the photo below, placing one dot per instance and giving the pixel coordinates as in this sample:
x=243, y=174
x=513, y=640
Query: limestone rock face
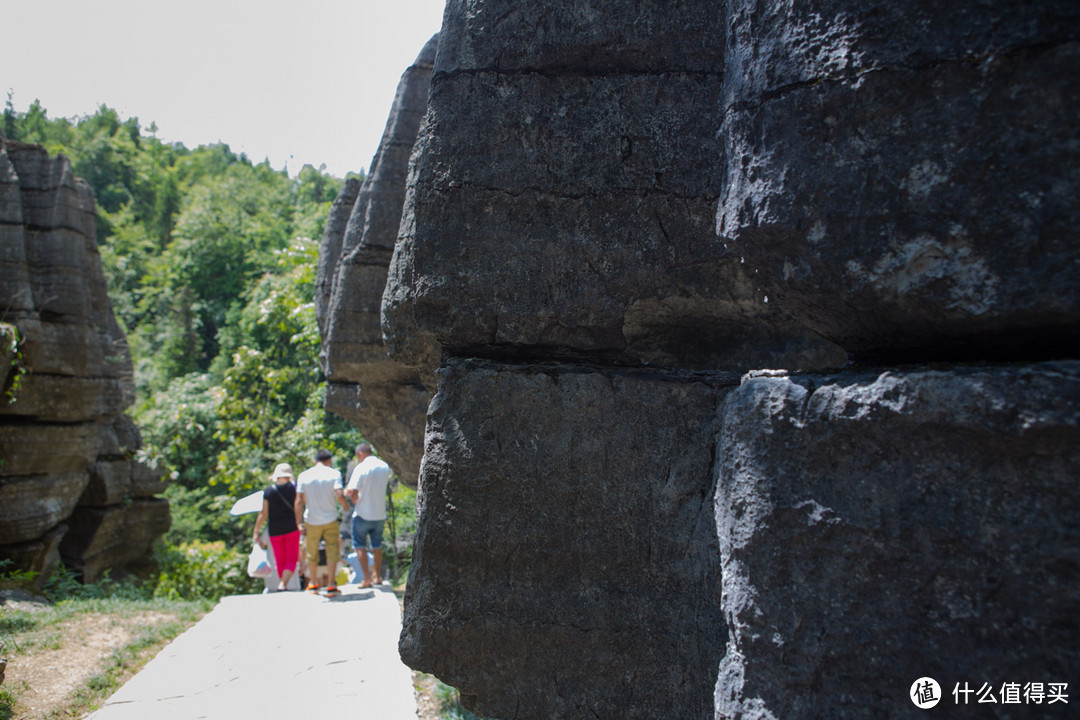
x=384, y=398
x=560, y=210
x=63, y=437
x=897, y=525
x=904, y=178
x=614, y=211
x=570, y=540
x=101, y=538
x=565, y=190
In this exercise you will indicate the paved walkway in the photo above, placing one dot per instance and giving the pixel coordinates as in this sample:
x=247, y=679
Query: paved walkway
x=256, y=656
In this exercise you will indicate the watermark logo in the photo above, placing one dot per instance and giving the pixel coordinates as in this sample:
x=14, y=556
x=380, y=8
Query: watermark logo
x=925, y=693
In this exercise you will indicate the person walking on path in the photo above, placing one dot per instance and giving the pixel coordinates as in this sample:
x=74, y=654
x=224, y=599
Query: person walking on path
x=367, y=491
x=318, y=490
x=278, y=511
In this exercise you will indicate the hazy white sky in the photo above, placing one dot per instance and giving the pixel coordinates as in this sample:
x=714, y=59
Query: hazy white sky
x=296, y=81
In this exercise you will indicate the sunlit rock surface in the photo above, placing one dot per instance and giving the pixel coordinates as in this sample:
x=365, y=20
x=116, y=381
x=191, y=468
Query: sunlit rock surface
x=903, y=178
x=384, y=398
x=754, y=327
x=64, y=440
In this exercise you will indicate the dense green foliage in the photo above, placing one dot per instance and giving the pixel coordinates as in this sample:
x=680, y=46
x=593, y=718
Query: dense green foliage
x=199, y=570
x=211, y=264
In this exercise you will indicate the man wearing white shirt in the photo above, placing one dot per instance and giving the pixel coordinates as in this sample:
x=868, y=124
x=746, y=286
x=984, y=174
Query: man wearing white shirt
x=367, y=491
x=318, y=492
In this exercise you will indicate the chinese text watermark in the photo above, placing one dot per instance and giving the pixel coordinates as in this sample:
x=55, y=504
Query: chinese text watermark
x=926, y=693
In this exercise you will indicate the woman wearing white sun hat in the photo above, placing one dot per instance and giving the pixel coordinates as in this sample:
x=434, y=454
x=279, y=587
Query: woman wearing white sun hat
x=277, y=512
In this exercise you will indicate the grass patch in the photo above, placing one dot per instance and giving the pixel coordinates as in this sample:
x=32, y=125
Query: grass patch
x=122, y=665
x=7, y=703
x=17, y=621
x=35, y=639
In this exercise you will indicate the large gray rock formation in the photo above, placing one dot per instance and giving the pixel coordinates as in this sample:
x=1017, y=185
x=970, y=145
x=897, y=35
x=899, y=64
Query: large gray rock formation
x=950, y=136
x=612, y=523
x=567, y=562
x=67, y=448
x=880, y=527
x=386, y=399
x=560, y=226
x=565, y=198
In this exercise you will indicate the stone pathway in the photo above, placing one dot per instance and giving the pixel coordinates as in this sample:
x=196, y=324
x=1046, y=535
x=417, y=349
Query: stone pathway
x=278, y=656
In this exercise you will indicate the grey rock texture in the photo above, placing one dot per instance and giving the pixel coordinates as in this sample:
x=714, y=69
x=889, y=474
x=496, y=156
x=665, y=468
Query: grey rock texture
x=566, y=565
x=565, y=189
x=613, y=211
x=904, y=177
x=64, y=439
x=386, y=399
x=881, y=527
x=103, y=538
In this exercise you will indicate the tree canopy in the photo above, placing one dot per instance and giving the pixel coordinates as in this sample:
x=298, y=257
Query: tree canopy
x=210, y=261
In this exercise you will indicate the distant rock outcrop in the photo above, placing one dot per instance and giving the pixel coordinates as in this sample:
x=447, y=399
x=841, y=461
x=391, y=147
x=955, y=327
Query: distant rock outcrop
x=69, y=485
x=673, y=266
x=384, y=398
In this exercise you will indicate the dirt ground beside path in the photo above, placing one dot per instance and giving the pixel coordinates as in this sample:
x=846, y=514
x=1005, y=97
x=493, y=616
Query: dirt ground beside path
x=427, y=704
x=48, y=667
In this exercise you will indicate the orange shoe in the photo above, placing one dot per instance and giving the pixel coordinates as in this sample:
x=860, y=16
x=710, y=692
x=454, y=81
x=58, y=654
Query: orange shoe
x=332, y=591
x=313, y=587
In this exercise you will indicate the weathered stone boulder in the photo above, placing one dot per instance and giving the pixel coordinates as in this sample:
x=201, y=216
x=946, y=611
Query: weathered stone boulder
x=34, y=504
x=560, y=210
x=904, y=178
x=64, y=440
x=386, y=399
x=877, y=528
x=898, y=178
x=40, y=555
x=116, y=536
x=567, y=561
x=565, y=194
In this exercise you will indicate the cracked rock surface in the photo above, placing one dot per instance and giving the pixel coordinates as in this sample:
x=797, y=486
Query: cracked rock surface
x=879, y=527
x=67, y=448
x=866, y=211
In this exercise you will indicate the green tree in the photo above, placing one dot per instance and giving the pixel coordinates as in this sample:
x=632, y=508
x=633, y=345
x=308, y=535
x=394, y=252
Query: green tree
x=273, y=389
x=211, y=273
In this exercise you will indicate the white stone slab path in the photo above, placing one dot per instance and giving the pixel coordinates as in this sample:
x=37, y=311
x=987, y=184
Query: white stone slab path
x=284, y=655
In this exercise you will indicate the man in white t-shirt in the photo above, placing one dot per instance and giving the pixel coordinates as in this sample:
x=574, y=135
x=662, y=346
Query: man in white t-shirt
x=318, y=493
x=367, y=491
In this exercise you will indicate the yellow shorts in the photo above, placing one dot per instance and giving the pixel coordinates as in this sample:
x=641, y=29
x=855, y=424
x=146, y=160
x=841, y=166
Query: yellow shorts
x=329, y=533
